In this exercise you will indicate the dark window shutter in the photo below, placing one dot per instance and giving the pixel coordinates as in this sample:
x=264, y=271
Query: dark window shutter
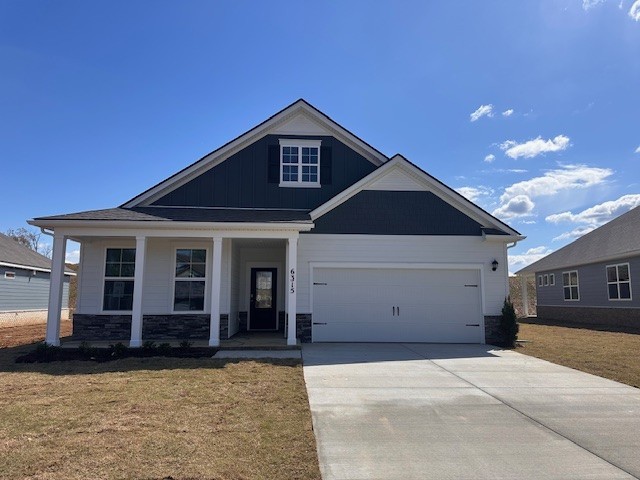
x=273, y=169
x=326, y=166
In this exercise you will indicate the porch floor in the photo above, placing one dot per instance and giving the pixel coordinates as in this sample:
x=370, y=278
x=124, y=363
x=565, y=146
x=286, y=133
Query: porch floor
x=240, y=341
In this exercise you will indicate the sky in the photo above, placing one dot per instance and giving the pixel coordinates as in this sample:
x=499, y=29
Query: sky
x=528, y=108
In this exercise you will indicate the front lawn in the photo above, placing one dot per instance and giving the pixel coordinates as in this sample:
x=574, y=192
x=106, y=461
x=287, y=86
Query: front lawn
x=154, y=418
x=609, y=354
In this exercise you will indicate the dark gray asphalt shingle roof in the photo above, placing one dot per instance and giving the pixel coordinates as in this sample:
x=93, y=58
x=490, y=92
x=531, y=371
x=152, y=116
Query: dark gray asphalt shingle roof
x=187, y=214
x=14, y=253
x=614, y=239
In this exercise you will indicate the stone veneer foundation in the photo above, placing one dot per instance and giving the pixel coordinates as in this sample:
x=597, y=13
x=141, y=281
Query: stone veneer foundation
x=619, y=317
x=492, y=332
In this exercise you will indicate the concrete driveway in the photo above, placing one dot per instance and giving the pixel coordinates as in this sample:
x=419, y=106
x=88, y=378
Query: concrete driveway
x=421, y=411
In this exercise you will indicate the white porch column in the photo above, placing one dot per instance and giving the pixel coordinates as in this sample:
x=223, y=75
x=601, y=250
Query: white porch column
x=138, y=285
x=216, y=281
x=292, y=266
x=56, y=281
x=525, y=295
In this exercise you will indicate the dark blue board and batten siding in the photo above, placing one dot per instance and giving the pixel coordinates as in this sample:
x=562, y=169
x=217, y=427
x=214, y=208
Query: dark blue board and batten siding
x=243, y=180
x=381, y=212
x=27, y=291
x=592, y=282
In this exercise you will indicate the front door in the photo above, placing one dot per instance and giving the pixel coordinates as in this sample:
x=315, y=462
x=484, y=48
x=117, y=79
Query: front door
x=263, y=313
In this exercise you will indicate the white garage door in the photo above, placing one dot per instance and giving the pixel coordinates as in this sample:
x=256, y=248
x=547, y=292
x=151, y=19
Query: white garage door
x=396, y=305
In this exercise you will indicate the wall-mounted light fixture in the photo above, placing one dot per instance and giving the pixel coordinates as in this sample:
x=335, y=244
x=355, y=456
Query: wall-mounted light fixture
x=494, y=265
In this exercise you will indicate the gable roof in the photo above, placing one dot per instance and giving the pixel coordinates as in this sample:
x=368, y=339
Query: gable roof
x=418, y=178
x=298, y=108
x=618, y=238
x=12, y=254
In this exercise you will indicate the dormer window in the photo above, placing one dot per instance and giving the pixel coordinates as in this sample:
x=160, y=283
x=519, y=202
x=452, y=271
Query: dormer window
x=299, y=163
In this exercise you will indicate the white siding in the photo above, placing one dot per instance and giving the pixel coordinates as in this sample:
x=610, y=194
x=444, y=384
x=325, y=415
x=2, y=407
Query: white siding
x=234, y=324
x=397, y=180
x=404, y=249
x=157, y=296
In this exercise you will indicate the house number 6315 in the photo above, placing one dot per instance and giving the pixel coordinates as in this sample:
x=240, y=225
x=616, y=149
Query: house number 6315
x=293, y=280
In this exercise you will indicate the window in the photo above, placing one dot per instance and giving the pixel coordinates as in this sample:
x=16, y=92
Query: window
x=10, y=275
x=190, y=280
x=570, y=285
x=300, y=163
x=619, y=282
x=546, y=280
x=552, y=279
x=119, y=271
x=539, y=280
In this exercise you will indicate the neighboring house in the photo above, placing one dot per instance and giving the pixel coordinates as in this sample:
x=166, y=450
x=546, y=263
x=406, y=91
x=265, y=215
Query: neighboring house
x=296, y=215
x=24, y=285
x=593, y=279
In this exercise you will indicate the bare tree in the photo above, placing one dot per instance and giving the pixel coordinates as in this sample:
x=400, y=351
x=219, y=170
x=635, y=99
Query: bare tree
x=30, y=239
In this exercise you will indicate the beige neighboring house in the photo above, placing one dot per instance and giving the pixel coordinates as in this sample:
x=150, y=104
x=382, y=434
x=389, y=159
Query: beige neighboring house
x=24, y=285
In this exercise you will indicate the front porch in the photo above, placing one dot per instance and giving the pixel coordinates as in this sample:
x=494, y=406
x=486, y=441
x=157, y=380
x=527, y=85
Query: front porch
x=229, y=289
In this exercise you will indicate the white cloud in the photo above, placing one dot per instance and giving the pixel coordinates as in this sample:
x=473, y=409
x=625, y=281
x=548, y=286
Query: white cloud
x=589, y=4
x=637, y=149
x=72, y=257
x=517, y=262
x=575, y=233
x=634, y=12
x=507, y=113
x=518, y=206
x=481, y=112
x=598, y=214
x=567, y=177
x=474, y=193
x=516, y=201
x=534, y=147
x=491, y=157
x=528, y=222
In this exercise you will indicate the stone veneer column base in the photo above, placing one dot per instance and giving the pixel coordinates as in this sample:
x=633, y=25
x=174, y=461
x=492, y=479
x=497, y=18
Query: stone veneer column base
x=492, y=332
x=303, y=327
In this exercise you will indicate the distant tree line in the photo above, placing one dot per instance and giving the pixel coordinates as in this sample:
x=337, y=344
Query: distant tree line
x=30, y=239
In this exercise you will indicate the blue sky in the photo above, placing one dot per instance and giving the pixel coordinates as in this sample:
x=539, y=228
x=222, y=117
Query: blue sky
x=530, y=108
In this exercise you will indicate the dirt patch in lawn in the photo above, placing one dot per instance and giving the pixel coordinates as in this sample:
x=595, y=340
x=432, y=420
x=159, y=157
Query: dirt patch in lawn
x=26, y=334
x=612, y=355
x=154, y=418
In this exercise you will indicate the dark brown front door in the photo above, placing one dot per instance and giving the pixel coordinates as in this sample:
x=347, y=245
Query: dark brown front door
x=263, y=310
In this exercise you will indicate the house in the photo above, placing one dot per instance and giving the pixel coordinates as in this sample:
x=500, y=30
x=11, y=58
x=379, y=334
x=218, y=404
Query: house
x=296, y=226
x=24, y=285
x=592, y=280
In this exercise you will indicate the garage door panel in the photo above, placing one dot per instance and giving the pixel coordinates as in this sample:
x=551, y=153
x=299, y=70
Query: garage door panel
x=397, y=305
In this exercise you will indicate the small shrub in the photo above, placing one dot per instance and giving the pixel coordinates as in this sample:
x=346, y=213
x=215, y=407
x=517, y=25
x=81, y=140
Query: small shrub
x=508, y=324
x=185, y=344
x=46, y=353
x=119, y=350
x=164, y=349
x=149, y=345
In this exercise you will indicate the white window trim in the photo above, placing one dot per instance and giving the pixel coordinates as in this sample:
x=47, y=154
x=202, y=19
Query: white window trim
x=105, y=278
x=546, y=280
x=10, y=275
x=576, y=285
x=299, y=143
x=618, y=282
x=207, y=266
x=540, y=280
x=552, y=279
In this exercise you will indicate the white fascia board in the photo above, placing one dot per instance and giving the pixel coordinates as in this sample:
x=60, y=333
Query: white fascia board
x=256, y=133
x=37, y=269
x=445, y=193
x=97, y=228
